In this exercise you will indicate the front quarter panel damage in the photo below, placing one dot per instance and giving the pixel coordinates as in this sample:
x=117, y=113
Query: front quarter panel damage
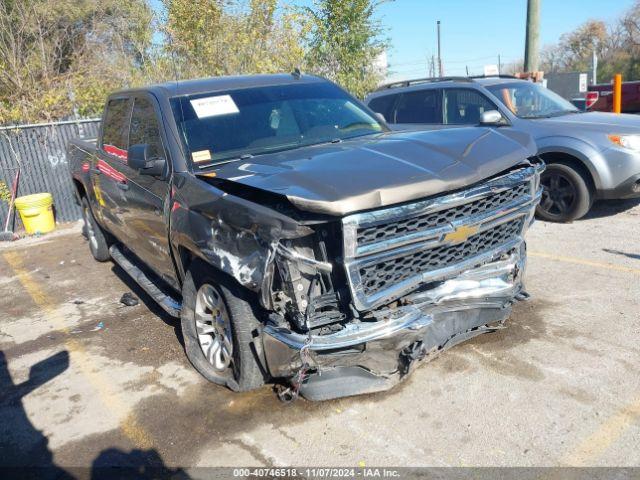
x=235, y=235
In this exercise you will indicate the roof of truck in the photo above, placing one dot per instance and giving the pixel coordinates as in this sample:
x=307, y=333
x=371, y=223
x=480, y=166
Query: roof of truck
x=213, y=84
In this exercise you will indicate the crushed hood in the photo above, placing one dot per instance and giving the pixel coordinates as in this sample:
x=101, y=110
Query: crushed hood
x=381, y=170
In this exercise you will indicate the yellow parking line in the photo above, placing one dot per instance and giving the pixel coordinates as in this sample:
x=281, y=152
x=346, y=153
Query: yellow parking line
x=594, y=445
x=130, y=426
x=587, y=263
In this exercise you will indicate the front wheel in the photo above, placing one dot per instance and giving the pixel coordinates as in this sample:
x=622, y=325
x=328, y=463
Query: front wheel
x=220, y=330
x=566, y=195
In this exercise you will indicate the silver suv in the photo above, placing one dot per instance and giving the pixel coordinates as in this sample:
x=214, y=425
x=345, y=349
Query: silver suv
x=589, y=155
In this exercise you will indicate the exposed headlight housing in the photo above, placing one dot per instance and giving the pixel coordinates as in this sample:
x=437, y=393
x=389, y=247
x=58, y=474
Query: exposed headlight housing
x=631, y=142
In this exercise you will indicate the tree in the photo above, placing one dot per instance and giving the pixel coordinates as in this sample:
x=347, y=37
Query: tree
x=616, y=45
x=49, y=48
x=344, y=41
x=61, y=56
x=216, y=37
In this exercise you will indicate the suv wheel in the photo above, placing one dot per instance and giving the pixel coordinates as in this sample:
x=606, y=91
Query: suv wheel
x=566, y=195
x=91, y=230
x=218, y=326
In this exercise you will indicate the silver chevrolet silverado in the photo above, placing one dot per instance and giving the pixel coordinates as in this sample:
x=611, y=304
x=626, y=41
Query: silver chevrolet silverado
x=297, y=238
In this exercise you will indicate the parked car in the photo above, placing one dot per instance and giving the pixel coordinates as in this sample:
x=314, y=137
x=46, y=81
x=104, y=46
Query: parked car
x=599, y=97
x=588, y=155
x=297, y=238
x=579, y=103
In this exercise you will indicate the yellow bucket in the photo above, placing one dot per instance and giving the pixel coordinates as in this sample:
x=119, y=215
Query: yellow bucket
x=36, y=212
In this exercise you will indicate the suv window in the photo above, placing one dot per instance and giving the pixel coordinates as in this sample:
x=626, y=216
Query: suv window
x=145, y=128
x=464, y=106
x=421, y=106
x=115, y=135
x=384, y=106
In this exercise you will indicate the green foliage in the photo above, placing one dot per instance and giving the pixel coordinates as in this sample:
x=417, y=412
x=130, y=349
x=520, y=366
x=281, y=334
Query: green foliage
x=59, y=57
x=345, y=41
x=215, y=37
x=48, y=47
x=5, y=193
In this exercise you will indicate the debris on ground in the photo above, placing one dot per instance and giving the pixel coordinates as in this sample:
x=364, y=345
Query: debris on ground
x=129, y=299
x=100, y=326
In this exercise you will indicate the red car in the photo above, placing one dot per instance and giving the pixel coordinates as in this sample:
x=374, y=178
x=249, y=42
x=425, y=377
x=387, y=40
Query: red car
x=600, y=97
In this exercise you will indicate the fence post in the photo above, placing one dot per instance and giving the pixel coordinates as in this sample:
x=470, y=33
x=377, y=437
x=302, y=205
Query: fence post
x=617, y=93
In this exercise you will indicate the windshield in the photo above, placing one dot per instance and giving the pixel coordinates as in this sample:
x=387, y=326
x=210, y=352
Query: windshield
x=530, y=100
x=224, y=126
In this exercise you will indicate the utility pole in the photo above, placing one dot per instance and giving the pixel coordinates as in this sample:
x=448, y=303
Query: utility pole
x=439, y=55
x=594, y=68
x=531, y=49
x=499, y=65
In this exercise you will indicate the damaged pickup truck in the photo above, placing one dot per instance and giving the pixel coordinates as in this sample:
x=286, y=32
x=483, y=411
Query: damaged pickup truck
x=297, y=238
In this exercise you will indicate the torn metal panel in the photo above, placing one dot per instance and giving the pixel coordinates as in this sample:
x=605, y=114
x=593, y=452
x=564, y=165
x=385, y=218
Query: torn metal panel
x=237, y=236
x=453, y=311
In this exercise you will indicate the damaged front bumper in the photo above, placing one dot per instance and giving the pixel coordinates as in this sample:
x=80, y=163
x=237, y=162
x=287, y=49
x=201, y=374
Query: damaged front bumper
x=374, y=355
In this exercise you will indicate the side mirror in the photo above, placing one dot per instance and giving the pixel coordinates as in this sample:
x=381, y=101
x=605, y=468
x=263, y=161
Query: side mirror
x=139, y=157
x=492, y=118
x=380, y=117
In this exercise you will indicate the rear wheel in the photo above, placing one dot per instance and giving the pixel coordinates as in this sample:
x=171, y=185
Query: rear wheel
x=219, y=328
x=97, y=238
x=566, y=194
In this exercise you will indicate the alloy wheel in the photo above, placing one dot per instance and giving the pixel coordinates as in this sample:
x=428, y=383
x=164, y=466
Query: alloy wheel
x=213, y=327
x=558, y=195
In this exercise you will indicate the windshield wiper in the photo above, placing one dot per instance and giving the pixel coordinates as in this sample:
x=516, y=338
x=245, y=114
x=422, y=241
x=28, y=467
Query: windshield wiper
x=279, y=149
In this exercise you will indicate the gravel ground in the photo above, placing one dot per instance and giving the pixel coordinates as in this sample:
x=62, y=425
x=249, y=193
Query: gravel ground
x=558, y=387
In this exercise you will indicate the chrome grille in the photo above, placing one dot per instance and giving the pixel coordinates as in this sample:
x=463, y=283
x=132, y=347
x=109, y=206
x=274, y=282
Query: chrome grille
x=379, y=276
x=377, y=233
x=390, y=252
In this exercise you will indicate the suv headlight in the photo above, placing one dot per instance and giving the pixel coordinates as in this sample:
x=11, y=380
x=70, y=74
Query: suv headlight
x=631, y=142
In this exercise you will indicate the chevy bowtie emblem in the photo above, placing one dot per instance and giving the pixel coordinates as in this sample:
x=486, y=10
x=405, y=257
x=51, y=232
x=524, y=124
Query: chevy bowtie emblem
x=461, y=233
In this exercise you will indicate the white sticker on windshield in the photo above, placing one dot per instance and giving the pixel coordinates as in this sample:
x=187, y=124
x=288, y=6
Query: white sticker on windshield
x=213, y=106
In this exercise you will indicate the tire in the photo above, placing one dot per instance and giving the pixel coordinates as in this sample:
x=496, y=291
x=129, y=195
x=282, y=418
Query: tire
x=243, y=373
x=97, y=238
x=566, y=194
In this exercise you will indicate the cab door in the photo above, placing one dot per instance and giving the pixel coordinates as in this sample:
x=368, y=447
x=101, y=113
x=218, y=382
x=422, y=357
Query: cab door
x=107, y=181
x=143, y=210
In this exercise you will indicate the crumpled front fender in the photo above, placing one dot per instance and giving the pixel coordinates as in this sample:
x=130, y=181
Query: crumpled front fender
x=234, y=235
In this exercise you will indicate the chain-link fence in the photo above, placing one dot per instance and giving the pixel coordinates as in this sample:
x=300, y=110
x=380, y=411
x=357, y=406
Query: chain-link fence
x=39, y=151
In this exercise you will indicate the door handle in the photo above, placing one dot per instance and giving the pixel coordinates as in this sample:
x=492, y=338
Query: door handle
x=123, y=186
